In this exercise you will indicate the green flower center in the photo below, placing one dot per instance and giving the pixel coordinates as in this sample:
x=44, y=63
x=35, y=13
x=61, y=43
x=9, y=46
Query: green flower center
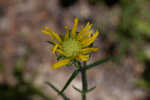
x=71, y=47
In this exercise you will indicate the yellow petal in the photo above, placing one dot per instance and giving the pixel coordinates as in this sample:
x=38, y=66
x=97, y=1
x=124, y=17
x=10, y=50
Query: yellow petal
x=84, y=30
x=55, y=35
x=61, y=63
x=54, y=48
x=61, y=52
x=74, y=28
x=86, y=35
x=48, y=33
x=67, y=33
x=88, y=41
x=88, y=50
x=82, y=57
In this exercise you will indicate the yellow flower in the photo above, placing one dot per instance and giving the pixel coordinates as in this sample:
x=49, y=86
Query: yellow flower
x=72, y=46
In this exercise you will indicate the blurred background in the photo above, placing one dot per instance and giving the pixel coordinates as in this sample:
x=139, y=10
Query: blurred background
x=26, y=59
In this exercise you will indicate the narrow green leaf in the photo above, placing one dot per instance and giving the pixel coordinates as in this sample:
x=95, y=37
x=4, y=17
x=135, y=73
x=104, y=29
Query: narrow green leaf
x=97, y=63
x=91, y=89
x=52, y=86
x=74, y=74
x=77, y=89
x=83, y=92
x=55, y=89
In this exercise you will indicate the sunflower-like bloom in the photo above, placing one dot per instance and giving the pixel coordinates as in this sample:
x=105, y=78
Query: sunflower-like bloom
x=73, y=45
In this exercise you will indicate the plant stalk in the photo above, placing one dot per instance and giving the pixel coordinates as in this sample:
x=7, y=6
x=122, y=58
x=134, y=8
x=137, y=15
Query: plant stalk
x=84, y=82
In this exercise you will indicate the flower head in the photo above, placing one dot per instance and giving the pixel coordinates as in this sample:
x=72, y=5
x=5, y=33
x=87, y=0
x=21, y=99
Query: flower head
x=73, y=45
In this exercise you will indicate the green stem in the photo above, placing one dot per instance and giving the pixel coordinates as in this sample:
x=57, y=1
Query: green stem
x=84, y=82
